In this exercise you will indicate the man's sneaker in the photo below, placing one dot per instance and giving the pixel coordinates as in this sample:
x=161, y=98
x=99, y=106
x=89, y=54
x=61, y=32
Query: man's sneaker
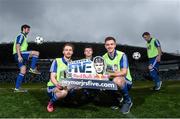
x=153, y=88
x=158, y=87
x=50, y=107
x=115, y=107
x=20, y=90
x=34, y=71
x=121, y=100
x=126, y=108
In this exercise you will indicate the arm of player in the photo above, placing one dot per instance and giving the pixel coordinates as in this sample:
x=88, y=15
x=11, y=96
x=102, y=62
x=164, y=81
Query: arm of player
x=121, y=73
x=124, y=68
x=158, y=45
x=18, y=49
x=54, y=81
x=159, y=54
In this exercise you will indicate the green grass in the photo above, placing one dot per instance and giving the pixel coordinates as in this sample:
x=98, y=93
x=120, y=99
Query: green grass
x=147, y=103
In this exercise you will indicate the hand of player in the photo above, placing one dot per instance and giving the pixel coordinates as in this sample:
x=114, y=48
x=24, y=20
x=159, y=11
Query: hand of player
x=111, y=75
x=158, y=58
x=20, y=59
x=150, y=66
x=59, y=86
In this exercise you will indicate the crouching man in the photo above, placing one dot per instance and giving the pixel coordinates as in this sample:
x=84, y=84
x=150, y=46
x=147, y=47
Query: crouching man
x=117, y=66
x=59, y=65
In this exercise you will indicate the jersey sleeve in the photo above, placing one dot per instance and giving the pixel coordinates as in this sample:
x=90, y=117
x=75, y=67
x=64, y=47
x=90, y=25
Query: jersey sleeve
x=19, y=39
x=124, y=61
x=53, y=68
x=157, y=43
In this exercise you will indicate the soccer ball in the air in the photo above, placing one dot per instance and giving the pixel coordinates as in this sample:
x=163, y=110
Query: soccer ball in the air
x=136, y=55
x=39, y=40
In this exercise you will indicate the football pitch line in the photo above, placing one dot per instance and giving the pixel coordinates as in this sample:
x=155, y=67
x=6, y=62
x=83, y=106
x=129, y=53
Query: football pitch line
x=29, y=89
x=134, y=87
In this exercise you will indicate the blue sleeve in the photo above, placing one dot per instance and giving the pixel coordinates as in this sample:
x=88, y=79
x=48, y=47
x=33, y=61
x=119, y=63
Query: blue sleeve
x=124, y=61
x=157, y=43
x=20, y=39
x=53, y=68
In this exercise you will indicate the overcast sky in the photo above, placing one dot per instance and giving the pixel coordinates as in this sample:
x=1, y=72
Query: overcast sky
x=93, y=20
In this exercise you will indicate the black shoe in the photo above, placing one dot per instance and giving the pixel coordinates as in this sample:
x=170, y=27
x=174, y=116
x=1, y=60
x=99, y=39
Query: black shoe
x=120, y=101
x=114, y=107
x=125, y=109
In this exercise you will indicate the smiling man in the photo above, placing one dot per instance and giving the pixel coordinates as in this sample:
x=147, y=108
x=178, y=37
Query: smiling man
x=59, y=66
x=118, y=68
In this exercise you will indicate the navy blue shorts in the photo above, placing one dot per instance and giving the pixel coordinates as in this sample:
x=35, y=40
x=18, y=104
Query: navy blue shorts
x=25, y=55
x=154, y=63
x=129, y=83
x=50, y=92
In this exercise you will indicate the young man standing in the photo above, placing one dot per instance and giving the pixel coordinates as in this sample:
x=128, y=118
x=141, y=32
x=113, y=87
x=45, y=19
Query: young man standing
x=154, y=53
x=22, y=56
x=59, y=65
x=118, y=69
x=88, y=53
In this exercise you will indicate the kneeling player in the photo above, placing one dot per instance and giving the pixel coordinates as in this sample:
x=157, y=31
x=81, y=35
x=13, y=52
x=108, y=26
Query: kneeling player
x=117, y=64
x=59, y=65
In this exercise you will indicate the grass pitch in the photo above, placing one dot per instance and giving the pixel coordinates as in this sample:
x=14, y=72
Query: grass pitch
x=147, y=103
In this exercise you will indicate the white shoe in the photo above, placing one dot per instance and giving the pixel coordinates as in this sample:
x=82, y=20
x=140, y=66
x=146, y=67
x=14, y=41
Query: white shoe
x=20, y=90
x=158, y=87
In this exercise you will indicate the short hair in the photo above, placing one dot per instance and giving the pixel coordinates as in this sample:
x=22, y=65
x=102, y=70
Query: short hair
x=68, y=44
x=24, y=27
x=88, y=46
x=145, y=34
x=109, y=38
x=98, y=59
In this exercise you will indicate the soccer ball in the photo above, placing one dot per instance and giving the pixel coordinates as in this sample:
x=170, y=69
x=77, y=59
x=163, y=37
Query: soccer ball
x=136, y=55
x=39, y=40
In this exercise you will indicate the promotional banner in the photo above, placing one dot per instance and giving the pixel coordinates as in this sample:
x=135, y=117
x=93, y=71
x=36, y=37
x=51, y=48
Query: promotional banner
x=87, y=83
x=88, y=74
x=87, y=69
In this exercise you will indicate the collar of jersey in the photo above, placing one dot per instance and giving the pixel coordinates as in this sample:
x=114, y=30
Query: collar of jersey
x=64, y=61
x=23, y=34
x=149, y=40
x=115, y=53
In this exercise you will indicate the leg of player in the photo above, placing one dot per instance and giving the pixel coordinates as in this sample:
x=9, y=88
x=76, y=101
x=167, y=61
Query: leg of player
x=19, y=79
x=35, y=56
x=117, y=99
x=22, y=67
x=55, y=94
x=153, y=68
x=155, y=77
x=124, y=86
